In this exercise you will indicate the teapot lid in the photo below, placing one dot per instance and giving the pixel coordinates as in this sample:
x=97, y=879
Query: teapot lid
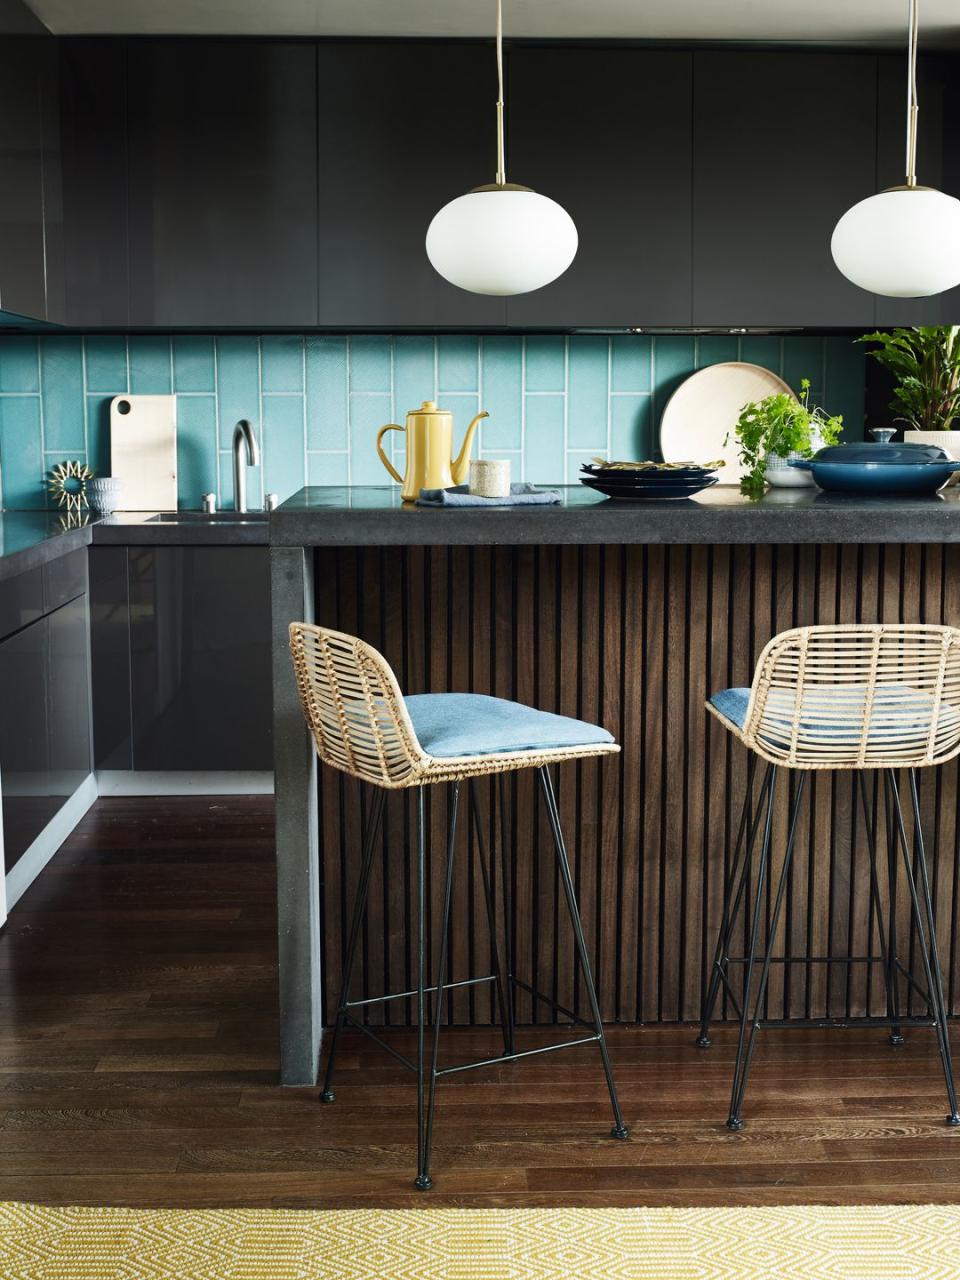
x=428, y=406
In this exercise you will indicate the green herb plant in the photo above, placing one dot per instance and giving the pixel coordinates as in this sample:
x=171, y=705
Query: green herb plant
x=781, y=425
x=926, y=361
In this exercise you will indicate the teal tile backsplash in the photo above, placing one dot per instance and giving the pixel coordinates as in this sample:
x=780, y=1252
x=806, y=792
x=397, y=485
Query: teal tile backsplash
x=319, y=401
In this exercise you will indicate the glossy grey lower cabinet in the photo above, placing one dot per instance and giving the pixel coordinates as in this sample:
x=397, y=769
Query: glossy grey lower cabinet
x=181, y=642
x=45, y=739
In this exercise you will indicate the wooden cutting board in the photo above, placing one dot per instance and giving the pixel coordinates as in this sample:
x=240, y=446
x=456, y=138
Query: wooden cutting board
x=143, y=451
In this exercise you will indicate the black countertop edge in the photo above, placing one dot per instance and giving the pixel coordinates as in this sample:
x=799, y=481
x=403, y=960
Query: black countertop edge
x=29, y=539
x=374, y=516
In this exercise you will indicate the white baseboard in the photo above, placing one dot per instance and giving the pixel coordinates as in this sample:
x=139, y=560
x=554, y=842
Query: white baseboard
x=131, y=782
x=29, y=866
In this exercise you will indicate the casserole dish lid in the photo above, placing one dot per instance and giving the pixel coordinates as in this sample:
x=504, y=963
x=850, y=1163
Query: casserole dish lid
x=900, y=455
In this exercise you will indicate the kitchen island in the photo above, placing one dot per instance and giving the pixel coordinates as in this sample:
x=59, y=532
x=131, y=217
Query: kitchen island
x=629, y=615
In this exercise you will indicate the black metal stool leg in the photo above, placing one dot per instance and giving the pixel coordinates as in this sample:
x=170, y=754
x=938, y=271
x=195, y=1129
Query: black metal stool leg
x=735, y=1120
x=506, y=1022
x=619, y=1129
x=896, y=1034
x=928, y=951
x=424, y=1181
x=936, y=988
x=733, y=896
x=421, y=979
x=888, y=960
x=360, y=902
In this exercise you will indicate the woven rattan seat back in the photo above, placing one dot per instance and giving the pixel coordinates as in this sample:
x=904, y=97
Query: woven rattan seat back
x=857, y=696
x=354, y=707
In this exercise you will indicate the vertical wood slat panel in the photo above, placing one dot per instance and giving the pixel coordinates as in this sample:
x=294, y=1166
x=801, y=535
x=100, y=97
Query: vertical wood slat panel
x=634, y=638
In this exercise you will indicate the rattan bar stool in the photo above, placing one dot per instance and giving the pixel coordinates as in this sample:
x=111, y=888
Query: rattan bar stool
x=364, y=726
x=839, y=697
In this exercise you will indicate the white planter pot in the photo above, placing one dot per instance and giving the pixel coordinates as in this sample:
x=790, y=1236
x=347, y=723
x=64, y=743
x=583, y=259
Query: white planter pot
x=948, y=441
x=780, y=475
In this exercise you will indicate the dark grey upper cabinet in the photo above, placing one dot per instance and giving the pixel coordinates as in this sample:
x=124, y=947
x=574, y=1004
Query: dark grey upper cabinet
x=29, y=179
x=404, y=128
x=93, y=132
x=607, y=133
x=222, y=182
x=783, y=144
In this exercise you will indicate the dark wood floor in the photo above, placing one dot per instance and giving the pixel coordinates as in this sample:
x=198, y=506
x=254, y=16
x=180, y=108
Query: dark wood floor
x=139, y=1066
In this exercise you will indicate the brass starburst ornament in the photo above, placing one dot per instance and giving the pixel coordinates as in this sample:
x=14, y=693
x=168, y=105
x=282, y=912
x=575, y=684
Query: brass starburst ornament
x=68, y=484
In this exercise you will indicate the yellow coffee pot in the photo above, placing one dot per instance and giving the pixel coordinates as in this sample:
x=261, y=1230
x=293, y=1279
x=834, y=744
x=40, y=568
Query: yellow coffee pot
x=430, y=461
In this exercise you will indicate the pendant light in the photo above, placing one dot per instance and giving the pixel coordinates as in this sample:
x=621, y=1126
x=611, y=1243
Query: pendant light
x=904, y=242
x=501, y=239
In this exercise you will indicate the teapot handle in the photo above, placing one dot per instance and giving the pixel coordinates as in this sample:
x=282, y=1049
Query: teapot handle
x=391, y=426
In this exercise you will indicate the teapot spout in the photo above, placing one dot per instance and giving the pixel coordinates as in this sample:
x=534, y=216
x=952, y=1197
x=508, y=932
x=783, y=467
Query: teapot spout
x=460, y=464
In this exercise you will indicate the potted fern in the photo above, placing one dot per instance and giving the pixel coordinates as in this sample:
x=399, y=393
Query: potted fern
x=772, y=431
x=926, y=364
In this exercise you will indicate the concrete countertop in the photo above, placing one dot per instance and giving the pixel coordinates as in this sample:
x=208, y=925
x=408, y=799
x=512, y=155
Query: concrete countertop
x=32, y=538
x=375, y=516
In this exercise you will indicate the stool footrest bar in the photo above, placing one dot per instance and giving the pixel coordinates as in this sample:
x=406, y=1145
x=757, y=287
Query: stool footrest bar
x=513, y=1057
x=404, y=995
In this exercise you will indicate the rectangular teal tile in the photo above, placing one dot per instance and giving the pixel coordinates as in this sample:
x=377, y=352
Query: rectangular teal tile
x=673, y=361
x=328, y=468
x=630, y=363
x=803, y=358
x=194, y=363
x=238, y=385
x=587, y=415
x=464, y=408
x=106, y=357
x=326, y=369
x=845, y=384
x=370, y=364
x=457, y=364
x=544, y=461
x=197, y=455
x=414, y=374
x=501, y=394
x=282, y=357
x=717, y=348
x=150, y=365
x=61, y=380
x=19, y=370
x=545, y=359
x=21, y=458
x=98, y=434
x=630, y=433
x=368, y=413
x=762, y=349
x=284, y=464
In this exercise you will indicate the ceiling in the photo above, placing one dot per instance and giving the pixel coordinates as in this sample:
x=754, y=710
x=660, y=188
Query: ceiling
x=847, y=21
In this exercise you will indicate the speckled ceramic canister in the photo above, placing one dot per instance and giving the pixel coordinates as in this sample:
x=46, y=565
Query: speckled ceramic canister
x=490, y=478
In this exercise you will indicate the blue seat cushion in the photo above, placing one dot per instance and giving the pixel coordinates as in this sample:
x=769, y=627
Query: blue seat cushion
x=472, y=724
x=891, y=717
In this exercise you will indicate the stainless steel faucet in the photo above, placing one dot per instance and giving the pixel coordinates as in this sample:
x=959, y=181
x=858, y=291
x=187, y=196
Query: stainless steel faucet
x=246, y=453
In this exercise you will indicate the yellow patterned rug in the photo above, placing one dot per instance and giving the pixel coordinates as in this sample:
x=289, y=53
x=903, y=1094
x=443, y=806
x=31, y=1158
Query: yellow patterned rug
x=877, y=1243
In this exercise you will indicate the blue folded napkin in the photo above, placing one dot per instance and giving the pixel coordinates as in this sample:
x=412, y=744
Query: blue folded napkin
x=521, y=495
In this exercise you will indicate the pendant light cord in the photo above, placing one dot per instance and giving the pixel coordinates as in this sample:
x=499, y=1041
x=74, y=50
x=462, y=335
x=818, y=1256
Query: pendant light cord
x=913, y=106
x=501, y=149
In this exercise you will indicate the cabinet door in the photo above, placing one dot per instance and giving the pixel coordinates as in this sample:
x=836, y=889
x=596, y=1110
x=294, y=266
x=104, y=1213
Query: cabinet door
x=28, y=804
x=607, y=133
x=22, y=261
x=223, y=182
x=200, y=658
x=93, y=139
x=68, y=698
x=783, y=144
x=404, y=128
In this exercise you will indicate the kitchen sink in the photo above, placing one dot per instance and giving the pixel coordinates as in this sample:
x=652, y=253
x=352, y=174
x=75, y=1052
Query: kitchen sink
x=211, y=517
